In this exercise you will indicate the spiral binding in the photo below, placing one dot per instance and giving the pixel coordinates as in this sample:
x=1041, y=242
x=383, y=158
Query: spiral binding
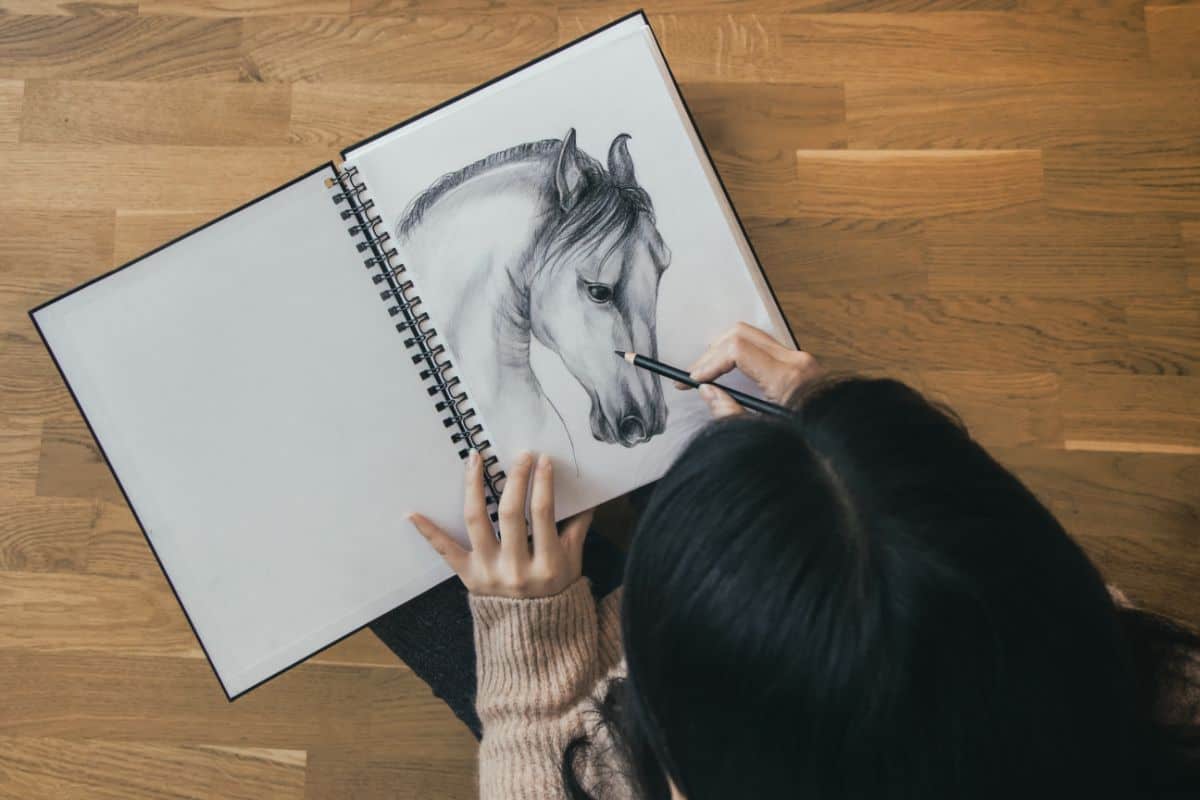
x=436, y=369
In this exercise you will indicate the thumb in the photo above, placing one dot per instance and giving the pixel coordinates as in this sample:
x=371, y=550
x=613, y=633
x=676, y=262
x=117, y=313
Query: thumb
x=719, y=402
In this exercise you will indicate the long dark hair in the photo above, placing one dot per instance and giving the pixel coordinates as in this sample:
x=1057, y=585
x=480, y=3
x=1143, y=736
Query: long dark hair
x=861, y=602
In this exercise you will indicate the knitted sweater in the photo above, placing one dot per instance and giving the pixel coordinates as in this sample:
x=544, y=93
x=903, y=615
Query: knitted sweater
x=541, y=664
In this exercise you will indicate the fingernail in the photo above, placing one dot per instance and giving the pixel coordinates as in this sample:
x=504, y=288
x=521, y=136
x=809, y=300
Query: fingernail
x=524, y=458
x=707, y=392
x=544, y=463
x=473, y=458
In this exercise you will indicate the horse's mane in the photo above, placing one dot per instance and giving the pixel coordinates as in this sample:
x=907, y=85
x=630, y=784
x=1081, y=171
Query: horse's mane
x=424, y=201
x=602, y=208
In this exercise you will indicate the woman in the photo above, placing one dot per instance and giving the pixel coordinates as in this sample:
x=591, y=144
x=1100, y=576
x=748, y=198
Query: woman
x=856, y=602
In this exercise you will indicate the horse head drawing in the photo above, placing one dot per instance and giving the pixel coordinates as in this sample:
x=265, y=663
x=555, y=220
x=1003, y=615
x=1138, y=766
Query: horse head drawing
x=596, y=269
x=549, y=243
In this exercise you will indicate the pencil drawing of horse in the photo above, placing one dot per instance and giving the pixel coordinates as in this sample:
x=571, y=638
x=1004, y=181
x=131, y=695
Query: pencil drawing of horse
x=541, y=241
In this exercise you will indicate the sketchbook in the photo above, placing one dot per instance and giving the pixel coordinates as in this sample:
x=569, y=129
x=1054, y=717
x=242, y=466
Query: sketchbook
x=275, y=390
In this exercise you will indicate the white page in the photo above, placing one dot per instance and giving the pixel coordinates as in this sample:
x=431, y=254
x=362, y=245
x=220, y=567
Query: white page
x=268, y=427
x=467, y=244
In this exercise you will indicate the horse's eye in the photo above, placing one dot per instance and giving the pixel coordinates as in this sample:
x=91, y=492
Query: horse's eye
x=599, y=292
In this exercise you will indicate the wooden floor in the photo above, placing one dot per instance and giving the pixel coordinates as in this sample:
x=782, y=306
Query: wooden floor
x=996, y=199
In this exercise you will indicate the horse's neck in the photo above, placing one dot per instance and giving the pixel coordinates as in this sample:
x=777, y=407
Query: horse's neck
x=487, y=282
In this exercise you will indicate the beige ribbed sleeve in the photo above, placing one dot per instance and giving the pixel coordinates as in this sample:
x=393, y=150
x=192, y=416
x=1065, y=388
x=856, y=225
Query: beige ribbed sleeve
x=539, y=661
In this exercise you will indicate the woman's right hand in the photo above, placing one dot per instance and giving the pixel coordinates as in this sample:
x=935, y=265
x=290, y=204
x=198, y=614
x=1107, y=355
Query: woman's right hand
x=778, y=370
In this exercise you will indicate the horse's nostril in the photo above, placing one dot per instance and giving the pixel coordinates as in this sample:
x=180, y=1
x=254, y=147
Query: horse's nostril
x=632, y=429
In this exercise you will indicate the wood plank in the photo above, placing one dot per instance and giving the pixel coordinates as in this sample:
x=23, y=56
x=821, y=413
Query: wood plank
x=30, y=386
x=833, y=255
x=909, y=47
x=914, y=183
x=116, y=546
x=126, y=112
x=11, y=94
x=20, y=445
x=118, y=47
x=70, y=770
x=1190, y=231
x=31, y=271
x=68, y=8
x=616, y=8
x=443, y=49
x=1127, y=12
x=1054, y=255
x=1174, y=32
x=768, y=116
x=1121, y=180
x=1000, y=409
x=477, y=7
x=1136, y=514
x=163, y=178
x=1004, y=333
x=242, y=8
x=71, y=464
x=1161, y=113
x=931, y=46
x=1139, y=413
x=1170, y=322
x=337, y=772
x=68, y=612
x=40, y=534
x=337, y=115
x=178, y=701
x=77, y=613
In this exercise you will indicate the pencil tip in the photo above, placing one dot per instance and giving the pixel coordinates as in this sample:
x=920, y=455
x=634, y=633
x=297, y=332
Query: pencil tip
x=621, y=353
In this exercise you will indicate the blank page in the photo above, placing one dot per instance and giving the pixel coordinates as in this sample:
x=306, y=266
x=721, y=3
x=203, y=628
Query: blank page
x=267, y=426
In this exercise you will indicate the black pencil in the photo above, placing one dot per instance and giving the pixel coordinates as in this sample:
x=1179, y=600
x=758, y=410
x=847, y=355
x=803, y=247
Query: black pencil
x=676, y=374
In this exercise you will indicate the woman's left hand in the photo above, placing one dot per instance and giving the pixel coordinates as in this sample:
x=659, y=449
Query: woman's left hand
x=516, y=566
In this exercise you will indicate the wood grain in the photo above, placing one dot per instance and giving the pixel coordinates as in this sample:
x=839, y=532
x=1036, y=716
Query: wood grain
x=1174, y=31
x=1010, y=332
x=913, y=183
x=834, y=255
x=171, y=178
x=118, y=47
x=11, y=97
x=997, y=201
x=74, y=770
x=1190, y=232
x=453, y=48
x=127, y=112
x=1017, y=114
x=337, y=115
x=1056, y=255
x=916, y=46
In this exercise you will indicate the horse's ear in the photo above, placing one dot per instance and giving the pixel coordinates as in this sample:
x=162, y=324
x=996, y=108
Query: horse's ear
x=568, y=176
x=620, y=164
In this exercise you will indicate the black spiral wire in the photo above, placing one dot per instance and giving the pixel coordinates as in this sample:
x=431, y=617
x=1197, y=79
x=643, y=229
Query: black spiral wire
x=436, y=370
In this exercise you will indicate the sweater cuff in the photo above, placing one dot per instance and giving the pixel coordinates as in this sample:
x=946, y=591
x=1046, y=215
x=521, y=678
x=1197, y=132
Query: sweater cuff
x=535, y=655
